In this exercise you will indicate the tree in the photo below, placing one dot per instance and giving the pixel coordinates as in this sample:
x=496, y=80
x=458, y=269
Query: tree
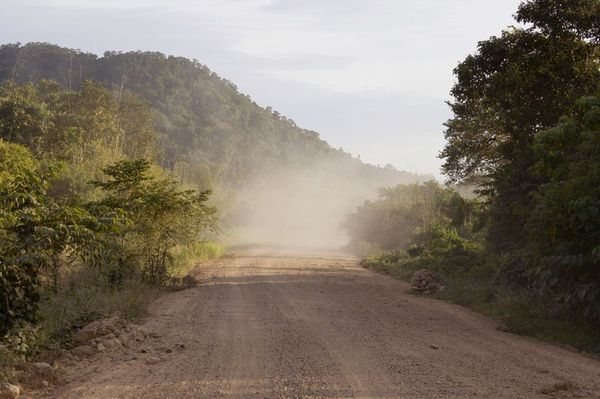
x=73, y=126
x=391, y=221
x=580, y=18
x=564, y=225
x=514, y=86
x=34, y=232
x=160, y=215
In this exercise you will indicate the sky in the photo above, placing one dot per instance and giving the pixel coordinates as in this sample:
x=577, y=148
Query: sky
x=371, y=76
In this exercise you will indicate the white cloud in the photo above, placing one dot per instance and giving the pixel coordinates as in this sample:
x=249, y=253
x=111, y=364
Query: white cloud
x=370, y=52
x=397, y=46
x=407, y=46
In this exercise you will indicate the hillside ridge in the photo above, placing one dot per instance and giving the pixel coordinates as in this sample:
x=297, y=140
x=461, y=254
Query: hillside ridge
x=206, y=126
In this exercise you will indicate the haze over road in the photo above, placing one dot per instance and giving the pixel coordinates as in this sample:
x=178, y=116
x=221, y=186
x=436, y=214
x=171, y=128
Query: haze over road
x=268, y=324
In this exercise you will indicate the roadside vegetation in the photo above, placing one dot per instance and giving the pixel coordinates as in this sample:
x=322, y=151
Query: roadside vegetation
x=90, y=224
x=526, y=134
x=111, y=169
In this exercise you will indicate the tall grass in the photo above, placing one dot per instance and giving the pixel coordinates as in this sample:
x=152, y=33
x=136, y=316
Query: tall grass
x=85, y=294
x=187, y=257
x=88, y=297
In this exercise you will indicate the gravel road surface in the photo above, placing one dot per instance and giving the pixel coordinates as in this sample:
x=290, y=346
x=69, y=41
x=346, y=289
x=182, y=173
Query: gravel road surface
x=272, y=324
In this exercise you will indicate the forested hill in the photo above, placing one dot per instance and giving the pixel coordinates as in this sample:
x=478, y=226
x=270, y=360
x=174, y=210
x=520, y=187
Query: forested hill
x=209, y=131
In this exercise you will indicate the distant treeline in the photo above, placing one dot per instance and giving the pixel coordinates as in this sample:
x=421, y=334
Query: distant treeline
x=526, y=132
x=208, y=132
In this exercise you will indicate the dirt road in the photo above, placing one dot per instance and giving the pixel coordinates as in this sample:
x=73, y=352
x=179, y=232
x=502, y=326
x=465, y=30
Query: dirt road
x=270, y=325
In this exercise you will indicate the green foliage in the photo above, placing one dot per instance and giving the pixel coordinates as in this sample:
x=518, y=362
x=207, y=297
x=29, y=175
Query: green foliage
x=443, y=249
x=161, y=216
x=415, y=227
x=84, y=297
x=392, y=221
x=186, y=257
x=34, y=232
x=61, y=124
x=563, y=17
x=516, y=85
x=22, y=343
x=564, y=224
x=123, y=226
x=85, y=130
x=539, y=175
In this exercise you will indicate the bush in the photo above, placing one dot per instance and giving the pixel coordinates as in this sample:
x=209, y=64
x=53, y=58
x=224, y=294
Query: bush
x=564, y=222
x=86, y=296
x=391, y=221
x=124, y=227
x=35, y=231
x=158, y=216
x=186, y=257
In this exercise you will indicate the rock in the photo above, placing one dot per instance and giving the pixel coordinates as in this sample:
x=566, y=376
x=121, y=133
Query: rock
x=132, y=337
x=66, y=355
x=139, y=335
x=108, y=334
x=83, y=351
x=86, y=334
x=105, y=329
x=426, y=282
x=9, y=391
x=112, y=343
x=153, y=360
x=189, y=281
x=128, y=340
x=44, y=368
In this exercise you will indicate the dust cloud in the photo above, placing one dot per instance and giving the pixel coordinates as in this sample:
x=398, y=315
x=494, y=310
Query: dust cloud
x=304, y=207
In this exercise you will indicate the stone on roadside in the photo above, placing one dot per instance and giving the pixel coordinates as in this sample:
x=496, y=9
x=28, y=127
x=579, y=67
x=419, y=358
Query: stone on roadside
x=83, y=351
x=426, y=282
x=112, y=343
x=41, y=366
x=85, y=335
x=189, y=281
x=9, y=391
x=108, y=334
x=44, y=369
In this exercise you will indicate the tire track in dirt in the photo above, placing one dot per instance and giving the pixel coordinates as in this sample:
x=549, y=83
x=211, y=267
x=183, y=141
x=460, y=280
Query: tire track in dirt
x=268, y=324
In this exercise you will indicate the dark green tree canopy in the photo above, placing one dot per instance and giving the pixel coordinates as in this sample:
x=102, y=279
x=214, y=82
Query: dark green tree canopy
x=514, y=86
x=579, y=18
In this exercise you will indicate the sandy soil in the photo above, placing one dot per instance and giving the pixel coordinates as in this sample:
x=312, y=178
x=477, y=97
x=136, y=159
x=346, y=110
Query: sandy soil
x=274, y=325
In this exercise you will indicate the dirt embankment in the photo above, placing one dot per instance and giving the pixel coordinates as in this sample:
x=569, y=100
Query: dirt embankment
x=268, y=325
